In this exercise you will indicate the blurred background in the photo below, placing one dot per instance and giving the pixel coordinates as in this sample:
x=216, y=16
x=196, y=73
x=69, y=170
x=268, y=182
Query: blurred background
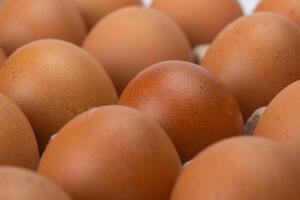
x=248, y=5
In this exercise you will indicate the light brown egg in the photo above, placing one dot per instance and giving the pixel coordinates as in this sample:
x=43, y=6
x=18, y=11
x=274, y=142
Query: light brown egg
x=29, y=20
x=18, y=145
x=21, y=184
x=256, y=57
x=2, y=57
x=112, y=153
x=130, y=39
x=201, y=20
x=193, y=107
x=93, y=10
x=243, y=168
x=288, y=8
x=280, y=122
x=53, y=81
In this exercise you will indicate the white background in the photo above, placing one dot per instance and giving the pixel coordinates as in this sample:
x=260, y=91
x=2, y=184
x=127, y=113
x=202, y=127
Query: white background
x=248, y=5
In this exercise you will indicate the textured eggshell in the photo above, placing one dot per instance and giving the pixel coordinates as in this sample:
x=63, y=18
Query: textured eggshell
x=243, y=168
x=130, y=39
x=193, y=107
x=20, y=184
x=201, y=20
x=93, y=10
x=256, y=57
x=52, y=81
x=2, y=57
x=112, y=153
x=29, y=20
x=18, y=145
x=280, y=121
x=288, y=8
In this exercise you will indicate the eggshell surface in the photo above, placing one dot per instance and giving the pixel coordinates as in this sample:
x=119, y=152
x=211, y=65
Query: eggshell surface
x=127, y=41
x=193, y=107
x=52, y=81
x=18, y=146
x=280, y=122
x=21, y=184
x=288, y=8
x=256, y=57
x=94, y=10
x=241, y=168
x=2, y=57
x=201, y=20
x=28, y=20
x=112, y=153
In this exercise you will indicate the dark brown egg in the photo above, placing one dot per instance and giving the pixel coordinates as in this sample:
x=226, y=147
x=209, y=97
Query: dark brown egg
x=193, y=107
x=243, y=168
x=20, y=184
x=201, y=20
x=28, y=20
x=18, y=145
x=53, y=81
x=130, y=39
x=93, y=10
x=112, y=153
x=288, y=8
x=280, y=121
x=256, y=57
x=2, y=57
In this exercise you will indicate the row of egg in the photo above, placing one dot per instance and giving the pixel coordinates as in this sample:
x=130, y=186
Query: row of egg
x=115, y=152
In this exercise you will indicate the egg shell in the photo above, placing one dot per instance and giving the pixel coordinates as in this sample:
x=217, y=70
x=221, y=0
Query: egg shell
x=2, y=57
x=130, y=39
x=29, y=20
x=18, y=145
x=94, y=10
x=288, y=8
x=193, y=107
x=280, y=122
x=256, y=57
x=114, y=153
x=201, y=20
x=21, y=184
x=245, y=168
x=52, y=81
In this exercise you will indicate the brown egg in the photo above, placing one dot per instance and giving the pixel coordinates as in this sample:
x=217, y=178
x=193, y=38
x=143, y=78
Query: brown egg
x=243, y=168
x=130, y=39
x=93, y=10
x=201, y=20
x=288, y=8
x=53, y=81
x=18, y=145
x=112, y=153
x=193, y=107
x=29, y=20
x=256, y=57
x=20, y=184
x=280, y=121
x=2, y=57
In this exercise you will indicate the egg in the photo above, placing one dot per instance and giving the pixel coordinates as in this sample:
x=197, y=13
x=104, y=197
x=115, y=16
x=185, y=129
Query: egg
x=201, y=20
x=21, y=184
x=52, y=81
x=288, y=8
x=245, y=168
x=280, y=122
x=130, y=39
x=94, y=10
x=113, y=153
x=2, y=57
x=256, y=57
x=18, y=145
x=28, y=20
x=193, y=107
